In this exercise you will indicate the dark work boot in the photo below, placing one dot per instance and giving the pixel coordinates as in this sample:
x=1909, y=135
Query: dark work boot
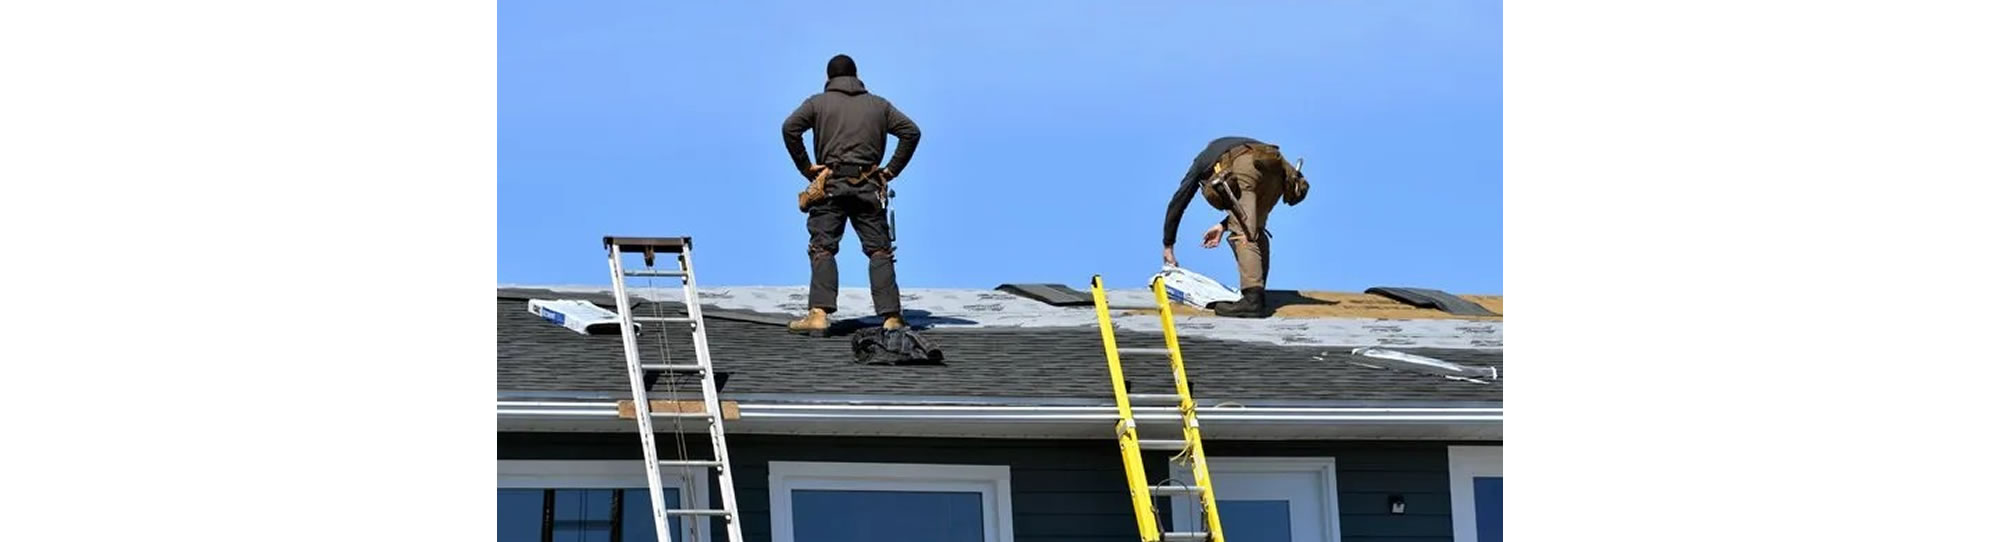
x=1250, y=306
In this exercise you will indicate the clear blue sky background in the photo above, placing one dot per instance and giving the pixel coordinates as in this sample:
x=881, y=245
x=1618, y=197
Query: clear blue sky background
x=1054, y=134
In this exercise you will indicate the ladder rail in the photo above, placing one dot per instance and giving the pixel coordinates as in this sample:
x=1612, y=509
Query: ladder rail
x=641, y=405
x=1127, y=429
x=1190, y=424
x=733, y=520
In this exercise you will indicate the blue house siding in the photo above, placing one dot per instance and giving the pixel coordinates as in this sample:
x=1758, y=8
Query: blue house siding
x=1064, y=490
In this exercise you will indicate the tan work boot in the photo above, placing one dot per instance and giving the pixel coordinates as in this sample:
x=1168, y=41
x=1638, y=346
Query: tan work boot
x=814, y=321
x=894, y=321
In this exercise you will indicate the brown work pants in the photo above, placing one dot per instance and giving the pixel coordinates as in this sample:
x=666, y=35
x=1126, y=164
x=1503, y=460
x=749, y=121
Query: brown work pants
x=1255, y=175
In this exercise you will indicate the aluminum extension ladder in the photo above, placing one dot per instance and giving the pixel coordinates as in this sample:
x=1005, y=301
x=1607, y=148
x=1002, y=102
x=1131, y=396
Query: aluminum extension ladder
x=1129, y=444
x=711, y=413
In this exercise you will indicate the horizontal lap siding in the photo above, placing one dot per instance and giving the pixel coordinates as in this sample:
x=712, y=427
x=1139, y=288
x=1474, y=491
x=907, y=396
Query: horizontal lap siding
x=1064, y=490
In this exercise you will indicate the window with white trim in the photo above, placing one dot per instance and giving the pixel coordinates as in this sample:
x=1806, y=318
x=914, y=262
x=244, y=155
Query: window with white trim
x=1475, y=493
x=848, y=502
x=1265, y=499
x=594, y=501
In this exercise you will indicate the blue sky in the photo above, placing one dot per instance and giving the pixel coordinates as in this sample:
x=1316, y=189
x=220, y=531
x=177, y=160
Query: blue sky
x=1054, y=134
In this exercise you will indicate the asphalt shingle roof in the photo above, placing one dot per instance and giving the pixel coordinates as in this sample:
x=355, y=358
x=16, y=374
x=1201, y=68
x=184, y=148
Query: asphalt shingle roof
x=536, y=356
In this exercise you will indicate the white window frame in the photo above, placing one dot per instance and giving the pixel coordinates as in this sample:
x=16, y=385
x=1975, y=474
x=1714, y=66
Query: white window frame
x=1221, y=466
x=991, y=482
x=1466, y=463
x=624, y=473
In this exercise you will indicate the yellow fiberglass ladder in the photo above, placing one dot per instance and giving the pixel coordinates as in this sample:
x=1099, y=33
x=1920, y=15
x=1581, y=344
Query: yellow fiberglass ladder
x=1129, y=443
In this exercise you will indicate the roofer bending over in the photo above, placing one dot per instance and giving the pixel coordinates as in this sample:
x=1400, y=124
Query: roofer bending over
x=850, y=129
x=1244, y=178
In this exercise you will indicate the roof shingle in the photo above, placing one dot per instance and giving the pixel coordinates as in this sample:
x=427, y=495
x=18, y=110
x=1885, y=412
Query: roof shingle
x=1046, y=362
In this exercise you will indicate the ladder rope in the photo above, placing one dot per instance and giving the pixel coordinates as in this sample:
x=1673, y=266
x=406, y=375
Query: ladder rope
x=673, y=387
x=1143, y=507
x=712, y=412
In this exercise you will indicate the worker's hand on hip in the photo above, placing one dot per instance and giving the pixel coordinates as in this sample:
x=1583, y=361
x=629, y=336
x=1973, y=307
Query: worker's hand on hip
x=886, y=174
x=1168, y=256
x=1212, y=237
x=815, y=171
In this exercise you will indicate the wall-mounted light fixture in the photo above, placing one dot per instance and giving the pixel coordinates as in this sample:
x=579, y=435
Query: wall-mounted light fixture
x=1396, y=504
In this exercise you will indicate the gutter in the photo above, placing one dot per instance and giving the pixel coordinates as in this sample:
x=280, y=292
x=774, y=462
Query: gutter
x=1044, y=414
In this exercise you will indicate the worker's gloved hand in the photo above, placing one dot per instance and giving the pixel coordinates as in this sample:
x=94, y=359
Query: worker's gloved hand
x=815, y=171
x=1168, y=256
x=1212, y=237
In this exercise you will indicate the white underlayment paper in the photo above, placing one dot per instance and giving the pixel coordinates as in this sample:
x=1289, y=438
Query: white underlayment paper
x=965, y=308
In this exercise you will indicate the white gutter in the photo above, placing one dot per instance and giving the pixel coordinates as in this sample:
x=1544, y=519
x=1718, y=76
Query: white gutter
x=1059, y=414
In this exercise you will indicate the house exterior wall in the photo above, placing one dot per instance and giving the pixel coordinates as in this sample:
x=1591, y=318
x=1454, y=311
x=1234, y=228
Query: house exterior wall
x=1063, y=490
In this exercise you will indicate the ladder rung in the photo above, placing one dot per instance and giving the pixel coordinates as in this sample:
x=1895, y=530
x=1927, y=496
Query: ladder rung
x=680, y=414
x=1175, y=490
x=672, y=367
x=1183, y=537
x=668, y=245
x=691, y=463
x=695, y=512
x=656, y=273
x=667, y=319
x=1153, y=397
x=1153, y=351
x=1162, y=444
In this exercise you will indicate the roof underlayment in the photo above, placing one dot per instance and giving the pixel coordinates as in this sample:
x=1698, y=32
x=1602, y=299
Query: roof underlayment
x=969, y=308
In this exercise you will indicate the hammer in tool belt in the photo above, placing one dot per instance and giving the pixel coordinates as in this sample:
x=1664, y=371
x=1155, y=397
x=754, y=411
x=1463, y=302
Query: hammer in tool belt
x=1221, y=184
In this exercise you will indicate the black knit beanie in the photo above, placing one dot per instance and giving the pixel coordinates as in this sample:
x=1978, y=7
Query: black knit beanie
x=839, y=66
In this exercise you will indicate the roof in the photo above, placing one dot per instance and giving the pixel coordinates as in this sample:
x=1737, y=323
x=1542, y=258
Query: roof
x=1002, y=345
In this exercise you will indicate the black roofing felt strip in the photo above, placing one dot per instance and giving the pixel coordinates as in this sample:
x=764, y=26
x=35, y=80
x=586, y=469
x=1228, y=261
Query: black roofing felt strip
x=604, y=300
x=607, y=301
x=1053, y=294
x=1432, y=299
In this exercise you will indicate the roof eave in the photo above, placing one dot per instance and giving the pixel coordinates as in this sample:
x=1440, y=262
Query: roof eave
x=1001, y=421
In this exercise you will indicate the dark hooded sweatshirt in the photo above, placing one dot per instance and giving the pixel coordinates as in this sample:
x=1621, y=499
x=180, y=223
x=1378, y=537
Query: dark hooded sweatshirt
x=850, y=126
x=1203, y=164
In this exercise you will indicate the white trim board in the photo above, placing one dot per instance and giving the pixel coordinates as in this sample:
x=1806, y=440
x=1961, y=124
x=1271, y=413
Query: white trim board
x=1043, y=421
x=1222, y=466
x=595, y=474
x=992, y=482
x=1465, y=463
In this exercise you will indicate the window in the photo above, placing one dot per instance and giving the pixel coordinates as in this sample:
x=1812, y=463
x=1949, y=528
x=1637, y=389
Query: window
x=848, y=502
x=1266, y=499
x=1475, y=493
x=595, y=501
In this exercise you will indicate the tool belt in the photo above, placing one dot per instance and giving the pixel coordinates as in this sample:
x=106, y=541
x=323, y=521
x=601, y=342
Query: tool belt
x=854, y=174
x=1294, y=188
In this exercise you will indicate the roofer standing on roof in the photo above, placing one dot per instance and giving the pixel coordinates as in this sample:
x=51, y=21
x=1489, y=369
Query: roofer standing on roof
x=1244, y=178
x=850, y=129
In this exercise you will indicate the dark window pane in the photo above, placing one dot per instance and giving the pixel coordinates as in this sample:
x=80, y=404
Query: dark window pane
x=1486, y=503
x=857, y=516
x=1256, y=521
x=520, y=515
x=638, y=519
x=582, y=515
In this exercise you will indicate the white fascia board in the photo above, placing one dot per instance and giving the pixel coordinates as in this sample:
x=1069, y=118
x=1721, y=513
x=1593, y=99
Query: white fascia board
x=1021, y=421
